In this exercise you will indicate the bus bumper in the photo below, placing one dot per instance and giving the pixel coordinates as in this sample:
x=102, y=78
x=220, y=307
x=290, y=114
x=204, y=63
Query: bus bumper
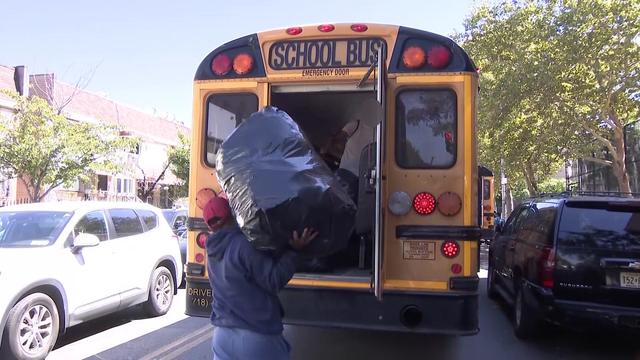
x=198, y=297
x=452, y=313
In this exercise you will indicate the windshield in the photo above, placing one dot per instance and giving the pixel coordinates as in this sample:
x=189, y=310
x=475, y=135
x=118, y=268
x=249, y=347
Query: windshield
x=31, y=228
x=600, y=227
x=168, y=214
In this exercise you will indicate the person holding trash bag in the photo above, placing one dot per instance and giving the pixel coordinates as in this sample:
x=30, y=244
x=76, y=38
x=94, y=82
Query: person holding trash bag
x=246, y=310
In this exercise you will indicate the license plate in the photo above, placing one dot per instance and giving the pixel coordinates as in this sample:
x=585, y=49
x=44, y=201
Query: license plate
x=630, y=280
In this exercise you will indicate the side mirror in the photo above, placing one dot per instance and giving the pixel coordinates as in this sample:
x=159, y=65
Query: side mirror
x=85, y=240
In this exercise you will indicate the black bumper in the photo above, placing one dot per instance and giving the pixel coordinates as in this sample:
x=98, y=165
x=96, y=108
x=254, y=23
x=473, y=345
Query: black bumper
x=437, y=313
x=198, y=297
x=581, y=314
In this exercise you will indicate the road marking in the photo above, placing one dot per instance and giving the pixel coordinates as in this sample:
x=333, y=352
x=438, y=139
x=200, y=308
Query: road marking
x=188, y=346
x=172, y=346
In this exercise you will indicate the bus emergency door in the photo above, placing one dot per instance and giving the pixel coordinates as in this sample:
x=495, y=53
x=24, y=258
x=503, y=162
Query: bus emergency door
x=377, y=176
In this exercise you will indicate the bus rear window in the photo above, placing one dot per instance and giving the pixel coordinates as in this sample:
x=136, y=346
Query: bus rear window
x=224, y=113
x=486, y=189
x=426, y=129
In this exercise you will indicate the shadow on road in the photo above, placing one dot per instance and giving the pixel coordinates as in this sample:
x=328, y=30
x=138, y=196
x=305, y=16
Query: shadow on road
x=99, y=325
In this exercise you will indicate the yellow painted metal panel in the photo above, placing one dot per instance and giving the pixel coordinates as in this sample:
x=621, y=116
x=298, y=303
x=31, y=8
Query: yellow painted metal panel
x=329, y=283
x=422, y=79
x=415, y=284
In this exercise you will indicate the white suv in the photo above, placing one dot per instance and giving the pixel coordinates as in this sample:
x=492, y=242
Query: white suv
x=65, y=263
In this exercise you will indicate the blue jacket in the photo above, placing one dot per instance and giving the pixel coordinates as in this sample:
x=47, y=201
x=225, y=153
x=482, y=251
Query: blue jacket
x=245, y=283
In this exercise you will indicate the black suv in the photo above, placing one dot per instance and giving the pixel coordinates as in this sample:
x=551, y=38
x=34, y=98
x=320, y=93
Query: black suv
x=571, y=260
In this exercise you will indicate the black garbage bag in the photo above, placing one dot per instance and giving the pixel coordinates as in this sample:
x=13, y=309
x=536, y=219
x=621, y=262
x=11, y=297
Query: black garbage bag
x=276, y=183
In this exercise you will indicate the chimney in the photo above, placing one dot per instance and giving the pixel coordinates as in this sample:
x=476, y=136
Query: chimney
x=21, y=80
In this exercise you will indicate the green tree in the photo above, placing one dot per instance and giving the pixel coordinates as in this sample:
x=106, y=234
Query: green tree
x=178, y=160
x=44, y=149
x=559, y=79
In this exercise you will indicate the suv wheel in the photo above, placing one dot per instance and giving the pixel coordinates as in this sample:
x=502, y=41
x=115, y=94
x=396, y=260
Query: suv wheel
x=160, y=292
x=32, y=328
x=525, y=320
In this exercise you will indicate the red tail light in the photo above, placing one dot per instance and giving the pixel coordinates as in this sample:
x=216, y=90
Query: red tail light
x=414, y=57
x=547, y=265
x=294, y=31
x=456, y=268
x=359, y=27
x=201, y=240
x=199, y=258
x=439, y=56
x=424, y=203
x=221, y=64
x=326, y=28
x=243, y=63
x=450, y=249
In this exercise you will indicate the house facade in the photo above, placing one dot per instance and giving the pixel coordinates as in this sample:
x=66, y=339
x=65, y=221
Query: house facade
x=145, y=167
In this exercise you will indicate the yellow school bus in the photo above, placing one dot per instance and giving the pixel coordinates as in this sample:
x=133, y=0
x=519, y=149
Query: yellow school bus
x=417, y=226
x=487, y=198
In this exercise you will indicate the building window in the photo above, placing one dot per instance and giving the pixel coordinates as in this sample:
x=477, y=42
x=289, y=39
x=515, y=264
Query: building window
x=103, y=183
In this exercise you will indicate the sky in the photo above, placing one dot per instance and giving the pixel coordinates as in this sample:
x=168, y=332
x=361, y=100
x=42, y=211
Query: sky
x=145, y=53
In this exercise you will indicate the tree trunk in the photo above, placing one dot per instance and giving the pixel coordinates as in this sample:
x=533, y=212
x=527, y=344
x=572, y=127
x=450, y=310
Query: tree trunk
x=619, y=165
x=28, y=187
x=530, y=179
x=507, y=203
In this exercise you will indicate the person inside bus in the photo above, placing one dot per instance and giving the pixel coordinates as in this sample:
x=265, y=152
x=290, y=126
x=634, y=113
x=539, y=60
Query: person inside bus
x=361, y=129
x=246, y=310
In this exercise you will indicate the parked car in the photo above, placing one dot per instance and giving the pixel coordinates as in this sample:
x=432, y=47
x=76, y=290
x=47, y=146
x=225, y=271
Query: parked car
x=182, y=241
x=572, y=260
x=62, y=264
x=177, y=219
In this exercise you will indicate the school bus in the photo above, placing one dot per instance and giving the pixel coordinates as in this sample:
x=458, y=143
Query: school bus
x=417, y=229
x=487, y=199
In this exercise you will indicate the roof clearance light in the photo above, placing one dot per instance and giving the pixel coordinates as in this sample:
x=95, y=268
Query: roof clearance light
x=424, y=203
x=359, y=27
x=221, y=64
x=243, y=64
x=294, y=31
x=449, y=203
x=399, y=203
x=326, y=27
x=414, y=57
x=450, y=249
x=439, y=56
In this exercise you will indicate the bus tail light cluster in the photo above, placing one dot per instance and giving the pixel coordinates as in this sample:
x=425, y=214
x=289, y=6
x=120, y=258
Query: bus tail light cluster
x=450, y=249
x=415, y=57
x=201, y=241
x=424, y=203
x=241, y=64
